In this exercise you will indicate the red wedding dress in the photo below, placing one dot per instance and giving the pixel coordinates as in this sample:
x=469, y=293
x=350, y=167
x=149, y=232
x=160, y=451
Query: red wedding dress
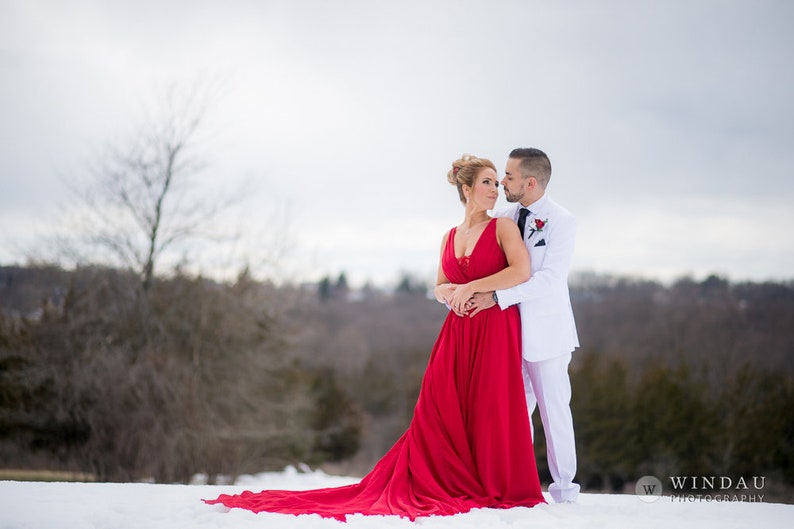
x=469, y=444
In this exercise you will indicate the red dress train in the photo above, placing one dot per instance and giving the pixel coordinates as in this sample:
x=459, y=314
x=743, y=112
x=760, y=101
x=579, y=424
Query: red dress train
x=469, y=443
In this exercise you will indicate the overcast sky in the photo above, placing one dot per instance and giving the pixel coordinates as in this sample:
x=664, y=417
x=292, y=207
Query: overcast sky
x=670, y=124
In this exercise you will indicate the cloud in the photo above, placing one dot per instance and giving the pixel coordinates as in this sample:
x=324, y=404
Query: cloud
x=355, y=109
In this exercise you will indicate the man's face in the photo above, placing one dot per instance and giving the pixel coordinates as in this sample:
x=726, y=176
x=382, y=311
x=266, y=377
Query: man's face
x=515, y=186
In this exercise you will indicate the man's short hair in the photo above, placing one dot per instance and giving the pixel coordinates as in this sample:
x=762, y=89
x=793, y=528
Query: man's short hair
x=534, y=162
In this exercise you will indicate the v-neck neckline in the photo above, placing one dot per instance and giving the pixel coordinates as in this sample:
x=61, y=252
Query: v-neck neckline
x=476, y=243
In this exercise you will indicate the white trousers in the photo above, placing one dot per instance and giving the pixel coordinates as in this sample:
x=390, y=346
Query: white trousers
x=548, y=386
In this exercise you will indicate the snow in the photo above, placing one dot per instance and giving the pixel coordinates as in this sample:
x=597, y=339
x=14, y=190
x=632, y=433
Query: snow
x=44, y=505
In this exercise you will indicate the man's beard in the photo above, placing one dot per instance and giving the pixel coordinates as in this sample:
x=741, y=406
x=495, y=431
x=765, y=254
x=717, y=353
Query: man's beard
x=513, y=198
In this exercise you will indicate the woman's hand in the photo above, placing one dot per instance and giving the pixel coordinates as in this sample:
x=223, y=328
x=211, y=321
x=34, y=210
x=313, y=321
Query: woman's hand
x=444, y=291
x=460, y=296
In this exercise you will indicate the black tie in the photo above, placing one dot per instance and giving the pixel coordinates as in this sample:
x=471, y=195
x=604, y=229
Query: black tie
x=522, y=220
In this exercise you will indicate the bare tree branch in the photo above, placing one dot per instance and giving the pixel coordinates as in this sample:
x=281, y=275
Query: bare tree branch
x=142, y=201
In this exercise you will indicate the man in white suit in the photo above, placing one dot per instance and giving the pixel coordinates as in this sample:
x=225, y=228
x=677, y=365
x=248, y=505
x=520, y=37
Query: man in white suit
x=548, y=328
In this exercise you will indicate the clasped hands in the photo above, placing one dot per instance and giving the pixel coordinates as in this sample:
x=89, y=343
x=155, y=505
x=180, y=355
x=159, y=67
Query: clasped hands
x=462, y=299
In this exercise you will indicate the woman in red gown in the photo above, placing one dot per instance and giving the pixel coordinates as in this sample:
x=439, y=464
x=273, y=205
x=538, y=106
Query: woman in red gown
x=469, y=443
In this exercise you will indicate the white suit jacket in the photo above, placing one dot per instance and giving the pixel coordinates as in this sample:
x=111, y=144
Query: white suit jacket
x=547, y=324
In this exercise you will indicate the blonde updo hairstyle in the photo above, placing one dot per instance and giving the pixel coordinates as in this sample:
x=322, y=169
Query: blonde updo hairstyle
x=464, y=172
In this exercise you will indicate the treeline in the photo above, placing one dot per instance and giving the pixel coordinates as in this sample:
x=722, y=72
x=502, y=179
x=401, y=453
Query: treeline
x=694, y=379
x=194, y=376
x=668, y=421
x=191, y=376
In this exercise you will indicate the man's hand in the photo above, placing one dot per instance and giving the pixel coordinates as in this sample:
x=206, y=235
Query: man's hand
x=478, y=302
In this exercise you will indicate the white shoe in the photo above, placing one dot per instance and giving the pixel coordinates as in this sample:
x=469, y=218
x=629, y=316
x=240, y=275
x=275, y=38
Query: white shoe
x=567, y=494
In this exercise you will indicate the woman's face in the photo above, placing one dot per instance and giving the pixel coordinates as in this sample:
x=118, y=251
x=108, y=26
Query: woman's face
x=485, y=190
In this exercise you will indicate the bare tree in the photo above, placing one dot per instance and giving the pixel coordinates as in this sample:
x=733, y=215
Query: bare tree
x=141, y=200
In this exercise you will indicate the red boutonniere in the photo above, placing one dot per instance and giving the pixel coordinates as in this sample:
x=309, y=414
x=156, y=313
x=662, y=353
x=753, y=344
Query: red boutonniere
x=537, y=224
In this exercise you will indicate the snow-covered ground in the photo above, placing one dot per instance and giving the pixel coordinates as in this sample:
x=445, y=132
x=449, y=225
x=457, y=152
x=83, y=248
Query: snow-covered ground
x=137, y=505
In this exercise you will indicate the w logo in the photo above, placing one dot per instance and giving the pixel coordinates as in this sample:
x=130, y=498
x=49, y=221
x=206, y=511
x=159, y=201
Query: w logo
x=648, y=488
